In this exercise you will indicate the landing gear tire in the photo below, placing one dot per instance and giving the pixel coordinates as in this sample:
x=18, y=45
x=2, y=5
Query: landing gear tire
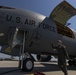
x=28, y=65
x=70, y=62
x=74, y=62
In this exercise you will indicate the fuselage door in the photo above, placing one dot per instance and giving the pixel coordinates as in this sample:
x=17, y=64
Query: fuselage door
x=63, y=12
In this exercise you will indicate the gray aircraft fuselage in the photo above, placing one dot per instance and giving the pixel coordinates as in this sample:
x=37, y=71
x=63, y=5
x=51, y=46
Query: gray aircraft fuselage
x=41, y=31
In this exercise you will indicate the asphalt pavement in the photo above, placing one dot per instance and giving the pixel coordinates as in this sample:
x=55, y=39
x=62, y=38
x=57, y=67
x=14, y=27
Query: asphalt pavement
x=47, y=68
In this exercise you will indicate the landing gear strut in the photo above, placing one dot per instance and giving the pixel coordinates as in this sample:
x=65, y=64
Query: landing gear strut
x=26, y=63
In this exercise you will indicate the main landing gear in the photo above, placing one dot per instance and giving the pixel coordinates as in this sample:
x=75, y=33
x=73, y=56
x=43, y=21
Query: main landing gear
x=72, y=62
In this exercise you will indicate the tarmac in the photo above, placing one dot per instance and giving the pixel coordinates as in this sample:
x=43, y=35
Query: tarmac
x=48, y=68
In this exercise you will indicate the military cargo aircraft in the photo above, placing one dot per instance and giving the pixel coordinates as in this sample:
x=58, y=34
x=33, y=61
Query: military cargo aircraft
x=23, y=32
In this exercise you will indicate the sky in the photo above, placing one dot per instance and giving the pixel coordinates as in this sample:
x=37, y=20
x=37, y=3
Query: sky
x=44, y=7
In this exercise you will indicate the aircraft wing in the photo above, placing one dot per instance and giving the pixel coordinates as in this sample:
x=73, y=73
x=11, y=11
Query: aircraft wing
x=63, y=12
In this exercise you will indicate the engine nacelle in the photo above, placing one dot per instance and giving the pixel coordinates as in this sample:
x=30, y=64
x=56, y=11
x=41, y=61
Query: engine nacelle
x=43, y=58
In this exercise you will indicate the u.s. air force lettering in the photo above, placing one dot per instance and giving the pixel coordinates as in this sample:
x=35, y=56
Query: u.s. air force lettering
x=31, y=22
x=46, y=26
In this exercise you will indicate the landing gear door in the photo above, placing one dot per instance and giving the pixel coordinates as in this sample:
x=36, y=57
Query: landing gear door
x=15, y=37
x=11, y=33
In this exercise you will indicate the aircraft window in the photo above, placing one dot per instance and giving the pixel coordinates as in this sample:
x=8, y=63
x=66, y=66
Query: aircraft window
x=63, y=30
x=6, y=7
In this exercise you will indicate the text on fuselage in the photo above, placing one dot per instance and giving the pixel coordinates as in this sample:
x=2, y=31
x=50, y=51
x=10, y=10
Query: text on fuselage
x=30, y=22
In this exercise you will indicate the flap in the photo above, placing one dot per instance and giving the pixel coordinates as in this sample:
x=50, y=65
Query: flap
x=63, y=12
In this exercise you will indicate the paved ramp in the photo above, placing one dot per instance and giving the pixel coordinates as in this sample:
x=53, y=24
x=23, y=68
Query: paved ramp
x=48, y=68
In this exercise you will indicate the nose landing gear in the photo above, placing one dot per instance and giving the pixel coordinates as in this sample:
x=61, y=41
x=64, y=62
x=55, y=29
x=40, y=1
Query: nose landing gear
x=26, y=63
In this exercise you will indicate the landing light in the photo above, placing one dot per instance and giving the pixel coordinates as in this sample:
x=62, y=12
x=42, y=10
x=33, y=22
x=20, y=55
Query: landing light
x=1, y=34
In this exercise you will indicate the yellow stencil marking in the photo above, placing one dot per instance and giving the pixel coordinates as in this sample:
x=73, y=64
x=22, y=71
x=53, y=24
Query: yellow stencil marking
x=8, y=49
